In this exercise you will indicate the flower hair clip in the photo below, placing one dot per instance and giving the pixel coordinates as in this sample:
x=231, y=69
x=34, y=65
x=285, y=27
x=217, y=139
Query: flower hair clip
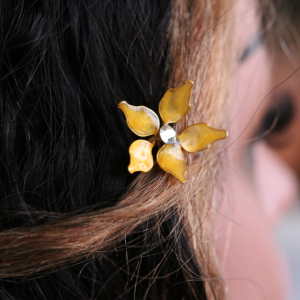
x=144, y=122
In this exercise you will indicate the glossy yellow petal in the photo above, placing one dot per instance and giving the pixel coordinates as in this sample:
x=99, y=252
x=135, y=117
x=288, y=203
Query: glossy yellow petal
x=175, y=104
x=198, y=137
x=170, y=158
x=141, y=120
x=141, y=158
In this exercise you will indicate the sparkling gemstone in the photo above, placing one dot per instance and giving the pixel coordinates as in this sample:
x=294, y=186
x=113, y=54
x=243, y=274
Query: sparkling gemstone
x=168, y=134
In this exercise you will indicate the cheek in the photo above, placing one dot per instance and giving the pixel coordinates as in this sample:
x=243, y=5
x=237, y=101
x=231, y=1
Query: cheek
x=259, y=187
x=270, y=181
x=274, y=183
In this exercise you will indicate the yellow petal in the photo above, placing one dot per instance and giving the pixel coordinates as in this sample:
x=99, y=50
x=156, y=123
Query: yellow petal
x=198, y=137
x=175, y=104
x=170, y=158
x=141, y=158
x=141, y=120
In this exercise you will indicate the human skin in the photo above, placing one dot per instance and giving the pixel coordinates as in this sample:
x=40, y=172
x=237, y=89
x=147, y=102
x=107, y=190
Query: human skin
x=259, y=185
x=285, y=75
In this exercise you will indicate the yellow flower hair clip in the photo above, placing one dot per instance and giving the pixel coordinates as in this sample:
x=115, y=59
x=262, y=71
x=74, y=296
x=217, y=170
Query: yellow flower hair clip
x=144, y=122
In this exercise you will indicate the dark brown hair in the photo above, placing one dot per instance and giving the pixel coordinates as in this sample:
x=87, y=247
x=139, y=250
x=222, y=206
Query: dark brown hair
x=74, y=223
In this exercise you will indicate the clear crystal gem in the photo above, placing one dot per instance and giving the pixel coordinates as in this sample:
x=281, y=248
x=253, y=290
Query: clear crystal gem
x=168, y=134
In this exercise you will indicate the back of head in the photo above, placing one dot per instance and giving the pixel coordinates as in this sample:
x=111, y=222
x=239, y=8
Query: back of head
x=74, y=223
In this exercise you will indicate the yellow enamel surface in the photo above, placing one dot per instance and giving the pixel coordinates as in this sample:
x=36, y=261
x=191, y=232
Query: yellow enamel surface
x=141, y=158
x=170, y=158
x=175, y=104
x=141, y=120
x=198, y=137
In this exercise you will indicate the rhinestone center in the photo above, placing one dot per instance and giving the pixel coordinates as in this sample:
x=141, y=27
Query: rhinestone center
x=168, y=134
